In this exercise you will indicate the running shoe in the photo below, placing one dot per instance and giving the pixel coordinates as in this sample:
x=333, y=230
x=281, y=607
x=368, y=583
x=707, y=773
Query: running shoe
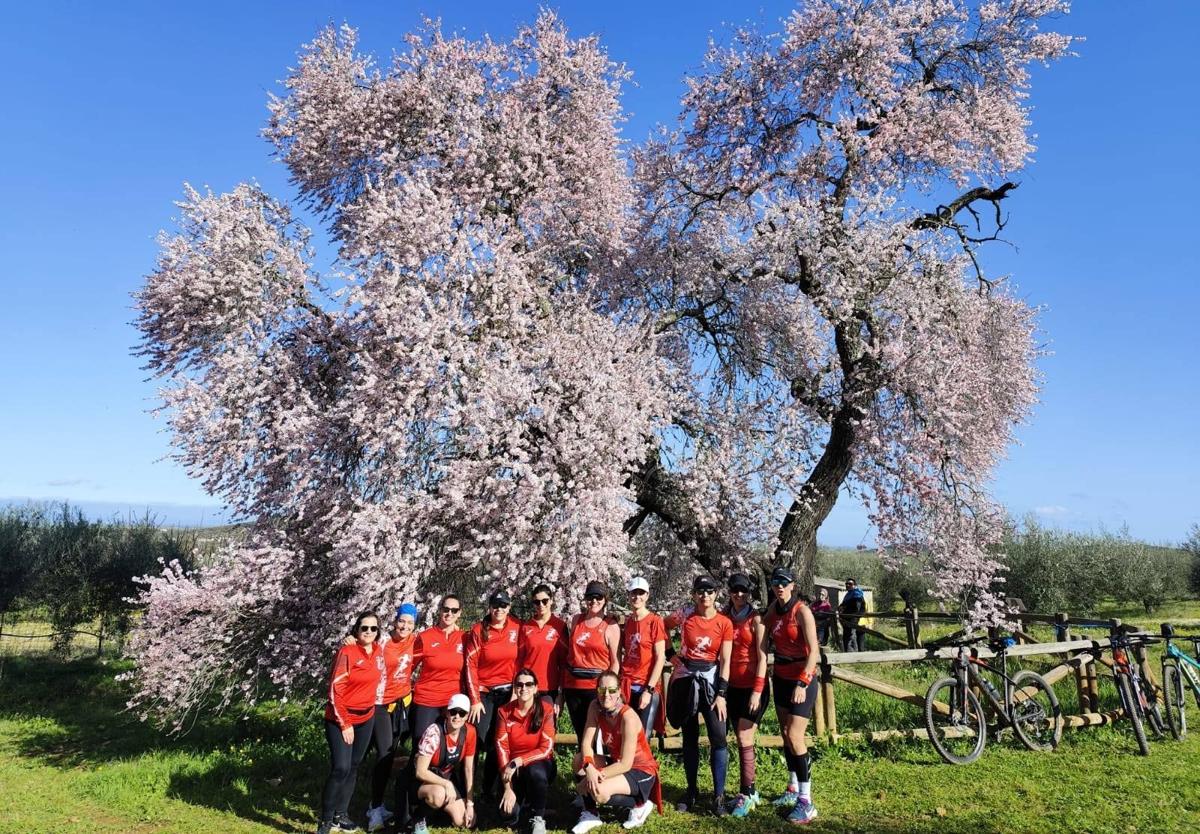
x=719, y=808
x=325, y=827
x=787, y=799
x=587, y=821
x=638, y=814
x=421, y=827
x=537, y=825
x=804, y=812
x=344, y=825
x=744, y=804
x=375, y=819
x=688, y=802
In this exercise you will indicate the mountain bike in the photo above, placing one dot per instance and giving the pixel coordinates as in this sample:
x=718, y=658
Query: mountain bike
x=1179, y=670
x=1138, y=700
x=954, y=717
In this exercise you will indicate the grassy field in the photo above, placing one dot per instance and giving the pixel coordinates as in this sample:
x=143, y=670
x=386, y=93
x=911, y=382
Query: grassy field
x=71, y=760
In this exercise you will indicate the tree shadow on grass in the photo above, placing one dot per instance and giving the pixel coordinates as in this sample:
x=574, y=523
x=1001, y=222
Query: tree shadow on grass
x=73, y=715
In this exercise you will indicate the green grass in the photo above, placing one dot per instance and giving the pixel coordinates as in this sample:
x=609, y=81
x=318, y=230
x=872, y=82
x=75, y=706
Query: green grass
x=73, y=761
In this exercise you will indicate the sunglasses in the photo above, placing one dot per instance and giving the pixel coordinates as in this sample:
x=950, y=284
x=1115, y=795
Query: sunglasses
x=781, y=583
x=456, y=713
x=369, y=629
x=637, y=592
x=607, y=690
x=541, y=600
x=525, y=685
x=446, y=609
x=739, y=590
x=707, y=592
x=593, y=597
x=498, y=605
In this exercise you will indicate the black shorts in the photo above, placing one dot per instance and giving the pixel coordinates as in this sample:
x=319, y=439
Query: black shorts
x=641, y=784
x=783, y=697
x=737, y=703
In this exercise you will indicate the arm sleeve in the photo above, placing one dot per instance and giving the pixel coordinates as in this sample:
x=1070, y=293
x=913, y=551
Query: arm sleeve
x=339, y=679
x=545, y=747
x=503, y=754
x=430, y=741
x=471, y=648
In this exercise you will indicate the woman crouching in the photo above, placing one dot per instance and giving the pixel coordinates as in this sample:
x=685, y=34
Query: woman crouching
x=614, y=758
x=444, y=768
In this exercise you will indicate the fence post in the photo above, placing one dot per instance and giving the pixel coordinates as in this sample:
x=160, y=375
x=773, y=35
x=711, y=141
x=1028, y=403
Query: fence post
x=1093, y=688
x=827, y=699
x=819, y=709
x=1062, y=627
x=911, y=628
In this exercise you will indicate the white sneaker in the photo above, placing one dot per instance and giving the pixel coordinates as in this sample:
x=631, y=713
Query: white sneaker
x=375, y=819
x=638, y=814
x=587, y=821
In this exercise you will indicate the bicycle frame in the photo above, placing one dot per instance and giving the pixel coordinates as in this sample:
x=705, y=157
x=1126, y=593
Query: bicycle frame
x=969, y=662
x=1189, y=669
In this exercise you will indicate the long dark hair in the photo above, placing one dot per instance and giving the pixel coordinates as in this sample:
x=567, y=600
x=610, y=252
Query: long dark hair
x=539, y=709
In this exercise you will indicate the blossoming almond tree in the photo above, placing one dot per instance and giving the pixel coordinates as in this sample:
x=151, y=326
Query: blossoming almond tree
x=530, y=345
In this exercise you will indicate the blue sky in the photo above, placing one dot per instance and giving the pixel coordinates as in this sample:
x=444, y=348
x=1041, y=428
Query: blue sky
x=110, y=108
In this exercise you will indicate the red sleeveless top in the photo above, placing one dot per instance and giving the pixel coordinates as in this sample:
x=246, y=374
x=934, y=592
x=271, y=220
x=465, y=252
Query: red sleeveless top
x=586, y=649
x=611, y=729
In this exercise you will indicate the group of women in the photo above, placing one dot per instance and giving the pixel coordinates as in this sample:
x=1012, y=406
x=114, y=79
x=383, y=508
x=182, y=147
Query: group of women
x=494, y=692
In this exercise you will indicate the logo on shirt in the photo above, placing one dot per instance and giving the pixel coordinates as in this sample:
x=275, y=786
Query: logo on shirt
x=512, y=636
x=551, y=634
x=402, y=666
x=635, y=640
x=434, y=645
x=703, y=643
x=582, y=638
x=458, y=648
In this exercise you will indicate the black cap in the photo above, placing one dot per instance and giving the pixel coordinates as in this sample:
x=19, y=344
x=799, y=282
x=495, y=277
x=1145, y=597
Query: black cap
x=782, y=576
x=500, y=598
x=740, y=582
x=704, y=582
x=596, y=588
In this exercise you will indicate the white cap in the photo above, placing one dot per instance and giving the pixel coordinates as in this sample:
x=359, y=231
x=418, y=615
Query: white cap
x=638, y=583
x=459, y=701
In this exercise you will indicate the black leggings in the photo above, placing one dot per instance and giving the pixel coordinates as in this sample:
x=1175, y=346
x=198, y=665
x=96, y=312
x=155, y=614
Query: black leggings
x=577, y=702
x=390, y=729
x=344, y=761
x=718, y=752
x=419, y=718
x=486, y=734
x=531, y=785
x=648, y=715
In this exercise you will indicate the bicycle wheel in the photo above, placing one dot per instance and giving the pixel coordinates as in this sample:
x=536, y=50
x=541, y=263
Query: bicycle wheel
x=1173, y=696
x=1133, y=711
x=1037, y=717
x=955, y=724
x=1152, y=712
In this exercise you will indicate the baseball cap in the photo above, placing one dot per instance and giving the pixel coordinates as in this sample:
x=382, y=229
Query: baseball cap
x=500, y=598
x=459, y=701
x=638, y=583
x=782, y=576
x=407, y=610
x=740, y=582
x=704, y=582
x=596, y=588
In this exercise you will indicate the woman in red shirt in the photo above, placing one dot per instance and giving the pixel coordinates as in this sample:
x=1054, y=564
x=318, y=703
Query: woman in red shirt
x=355, y=683
x=592, y=648
x=525, y=753
x=491, y=662
x=699, y=684
x=749, y=692
x=543, y=644
x=793, y=634
x=643, y=654
x=614, y=758
x=444, y=767
x=391, y=713
x=438, y=663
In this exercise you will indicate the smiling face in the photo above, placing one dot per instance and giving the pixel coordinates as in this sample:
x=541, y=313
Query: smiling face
x=525, y=689
x=448, y=611
x=499, y=612
x=608, y=692
x=403, y=626
x=593, y=604
x=637, y=599
x=367, y=631
x=705, y=598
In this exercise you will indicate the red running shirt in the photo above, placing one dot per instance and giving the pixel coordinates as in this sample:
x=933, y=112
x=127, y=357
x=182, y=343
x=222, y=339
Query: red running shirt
x=431, y=745
x=543, y=651
x=587, y=650
x=787, y=636
x=514, y=738
x=439, y=656
x=701, y=639
x=398, y=666
x=493, y=663
x=355, y=685
x=611, y=729
x=637, y=641
x=743, y=660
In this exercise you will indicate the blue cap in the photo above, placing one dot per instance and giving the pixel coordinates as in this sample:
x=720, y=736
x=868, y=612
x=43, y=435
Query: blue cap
x=407, y=610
